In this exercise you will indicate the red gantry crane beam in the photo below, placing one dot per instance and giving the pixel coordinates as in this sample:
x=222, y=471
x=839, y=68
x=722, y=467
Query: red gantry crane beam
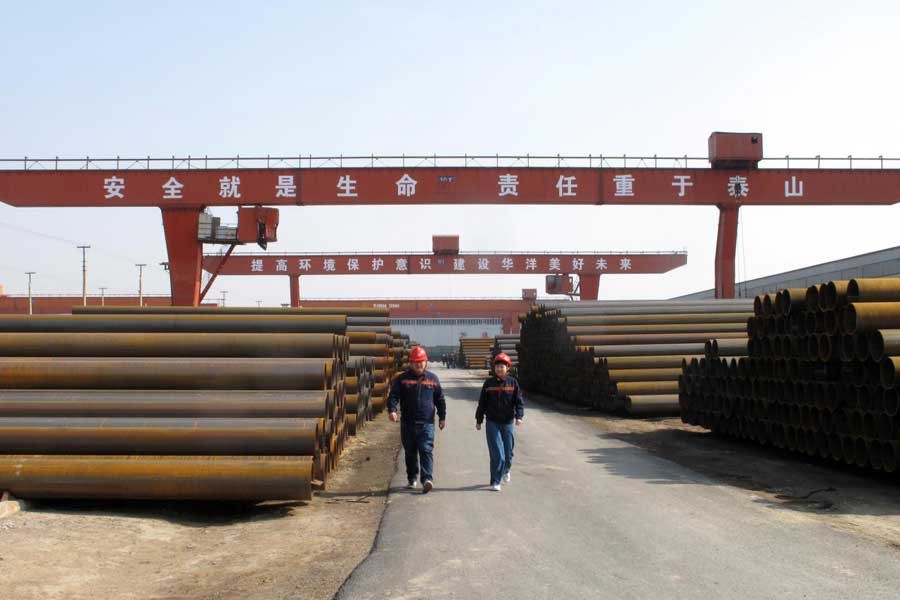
x=589, y=267
x=182, y=189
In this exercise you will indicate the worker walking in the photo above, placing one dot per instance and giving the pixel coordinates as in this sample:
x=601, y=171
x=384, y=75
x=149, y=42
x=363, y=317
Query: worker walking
x=419, y=395
x=502, y=404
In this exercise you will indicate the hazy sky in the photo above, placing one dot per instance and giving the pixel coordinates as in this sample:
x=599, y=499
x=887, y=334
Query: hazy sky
x=642, y=78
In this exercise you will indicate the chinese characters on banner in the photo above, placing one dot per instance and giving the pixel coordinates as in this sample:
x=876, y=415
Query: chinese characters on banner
x=368, y=185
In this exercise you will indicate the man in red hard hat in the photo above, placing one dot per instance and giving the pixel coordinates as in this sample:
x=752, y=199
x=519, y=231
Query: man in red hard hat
x=419, y=395
x=502, y=404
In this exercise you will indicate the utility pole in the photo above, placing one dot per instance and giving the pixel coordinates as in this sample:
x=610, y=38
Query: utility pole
x=102, y=296
x=30, y=273
x=140, y=267
x=223, y=296
x=84, y=274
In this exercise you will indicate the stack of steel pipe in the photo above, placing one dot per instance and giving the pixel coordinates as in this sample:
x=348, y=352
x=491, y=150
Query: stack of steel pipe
x=623, y=356
x=820, y=378
x=207, y=396
x=508, y=343
x=475, y=353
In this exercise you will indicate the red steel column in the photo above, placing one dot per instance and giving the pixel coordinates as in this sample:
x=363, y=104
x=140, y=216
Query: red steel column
x=295, y=290
x=726, y=244
x=185, y=254
x=589, y=286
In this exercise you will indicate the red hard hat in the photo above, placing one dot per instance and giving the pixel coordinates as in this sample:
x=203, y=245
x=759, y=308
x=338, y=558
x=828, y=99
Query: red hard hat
x=417, y=354
x=504, y=358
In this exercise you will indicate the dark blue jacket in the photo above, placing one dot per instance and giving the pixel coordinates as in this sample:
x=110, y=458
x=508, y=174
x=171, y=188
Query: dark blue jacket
x=500, y=401
x=418, y=397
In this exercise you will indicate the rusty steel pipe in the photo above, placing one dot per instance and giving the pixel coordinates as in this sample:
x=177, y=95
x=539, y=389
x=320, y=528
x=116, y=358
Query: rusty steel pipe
x=656, y=319
x=645, y=362
x=352, y=311
x=166, y=403
x=620, y=375
x=883, y=342
x=869, y=316
x=641, y=388
x=874, y=290
x=835, y=294
x=123, y=435
x=167, y=373
x=653, y=339
x=243, y=478
x=176, y=323
x=890, y=365
x=657, y=405
x=640, y=350
x=656, y=328
x=792, y=300
x=369, y=350
x=670, y=308
x=279, y=345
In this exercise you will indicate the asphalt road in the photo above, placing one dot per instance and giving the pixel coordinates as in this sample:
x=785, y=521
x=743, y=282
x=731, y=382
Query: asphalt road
x=588, y=516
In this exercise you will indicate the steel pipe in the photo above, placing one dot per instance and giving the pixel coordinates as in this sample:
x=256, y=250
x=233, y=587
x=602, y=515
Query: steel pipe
x=652, y=339
x=883, y=342
x=655, y=405
x=656, y=328
x=638, y=388
x=657, y=319
x=620, y=375
x=174, y=323
x=873, y=290
x=259, y=345
x=123, y=435
x=646, y=362
x=890, y=365
x=869, y=316
x=243, y=478
x=166, y=403
x=167, y=373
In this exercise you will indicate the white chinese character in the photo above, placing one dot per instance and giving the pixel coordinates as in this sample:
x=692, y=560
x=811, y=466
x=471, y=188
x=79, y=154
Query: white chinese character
x=531, y=264
x=624, y=185
x=401, y=264
x=172, y=189
x=228, y=187
x=377, y=263
x=794, y=189
x=738, y=186
x=425, y=264
x=484, y=264
x=566, y=185
x=256, y=265
x=281, y=264
x=406, y=186
x=328, y=264
x=509, y=185
x=347, y=187
x=625, y=264
x=286, y=187
x=507, y=263
x=682, y=182
x=114, y=186
x=601, y=264
x=353, y=264
x=554, y=264
x=577, y=264
x=459, y=264
x=305, y=264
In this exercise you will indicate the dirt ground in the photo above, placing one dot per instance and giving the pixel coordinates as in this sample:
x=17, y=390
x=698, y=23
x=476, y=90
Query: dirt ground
x=204, y=550
x=795, y=487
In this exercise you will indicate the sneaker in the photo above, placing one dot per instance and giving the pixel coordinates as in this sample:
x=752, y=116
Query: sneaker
x=506, y=477
x=426, y=487
x=412, y=484
x=496, y=487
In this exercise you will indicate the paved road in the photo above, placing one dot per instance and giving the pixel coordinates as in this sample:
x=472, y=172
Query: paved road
x=586, y=516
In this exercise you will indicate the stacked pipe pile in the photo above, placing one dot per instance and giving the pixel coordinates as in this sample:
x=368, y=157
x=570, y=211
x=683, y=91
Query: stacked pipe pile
x=176, y=403
x=820, y=378
x=623, y=356
x=475, y=353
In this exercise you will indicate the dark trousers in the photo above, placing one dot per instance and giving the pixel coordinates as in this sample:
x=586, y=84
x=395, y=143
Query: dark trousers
x=418, y=444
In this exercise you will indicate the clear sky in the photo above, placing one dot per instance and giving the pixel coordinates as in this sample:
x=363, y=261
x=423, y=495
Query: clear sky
x=225, y=78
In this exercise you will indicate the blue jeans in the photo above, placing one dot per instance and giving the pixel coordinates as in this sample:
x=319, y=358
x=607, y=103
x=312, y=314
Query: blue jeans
x=500, y=441
x=418, y=444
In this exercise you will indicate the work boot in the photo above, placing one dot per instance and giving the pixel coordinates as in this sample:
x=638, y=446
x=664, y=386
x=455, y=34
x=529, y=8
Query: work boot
x=412, y=484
